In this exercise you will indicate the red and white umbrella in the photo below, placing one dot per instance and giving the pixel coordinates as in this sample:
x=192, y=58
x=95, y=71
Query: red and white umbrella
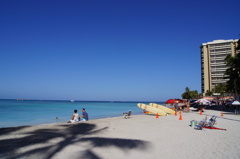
x=204, y=101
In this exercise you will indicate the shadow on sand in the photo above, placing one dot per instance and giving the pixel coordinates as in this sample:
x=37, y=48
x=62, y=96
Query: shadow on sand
x=11, y=129
x=68, y=134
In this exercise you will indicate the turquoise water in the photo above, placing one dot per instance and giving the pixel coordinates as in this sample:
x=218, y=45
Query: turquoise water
x=18, y=113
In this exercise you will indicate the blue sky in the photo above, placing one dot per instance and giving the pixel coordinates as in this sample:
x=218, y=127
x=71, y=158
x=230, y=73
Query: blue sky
x=108, y=49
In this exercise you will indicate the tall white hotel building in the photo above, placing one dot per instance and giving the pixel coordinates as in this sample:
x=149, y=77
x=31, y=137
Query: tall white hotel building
x=212, y=62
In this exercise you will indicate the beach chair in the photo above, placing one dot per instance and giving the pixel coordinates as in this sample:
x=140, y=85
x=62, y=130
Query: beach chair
x=211, y=122
x=201, y=124
x=208, y=125
x=127, y=115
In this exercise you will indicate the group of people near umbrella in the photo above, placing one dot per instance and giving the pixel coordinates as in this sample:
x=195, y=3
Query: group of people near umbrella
x=179, y=104
x=184, y=104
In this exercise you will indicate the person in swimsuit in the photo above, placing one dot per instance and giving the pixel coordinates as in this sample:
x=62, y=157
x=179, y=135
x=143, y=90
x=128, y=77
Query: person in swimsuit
x=74, y=117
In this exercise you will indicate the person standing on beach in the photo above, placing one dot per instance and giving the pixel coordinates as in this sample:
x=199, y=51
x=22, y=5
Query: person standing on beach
x=176, y=106
x=84, y=116
x=187, y=109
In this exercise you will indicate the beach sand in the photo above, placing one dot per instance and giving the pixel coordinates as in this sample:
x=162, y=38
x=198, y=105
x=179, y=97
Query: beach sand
x=142, y=136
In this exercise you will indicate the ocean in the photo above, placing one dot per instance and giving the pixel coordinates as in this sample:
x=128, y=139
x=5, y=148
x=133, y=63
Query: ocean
x=35, y=112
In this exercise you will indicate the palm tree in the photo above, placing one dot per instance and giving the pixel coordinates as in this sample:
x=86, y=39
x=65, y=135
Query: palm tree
x=233, y=72
x=190, y=94
x=209, y=93
x=220, y=88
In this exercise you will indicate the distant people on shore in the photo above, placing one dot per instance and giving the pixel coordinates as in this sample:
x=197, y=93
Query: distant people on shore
x=84, y=116
x=176, y=106
x=74, y=117
x=187, y=107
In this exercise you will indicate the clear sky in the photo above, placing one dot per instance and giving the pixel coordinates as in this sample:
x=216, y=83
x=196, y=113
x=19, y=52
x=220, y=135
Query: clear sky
x=108, y=49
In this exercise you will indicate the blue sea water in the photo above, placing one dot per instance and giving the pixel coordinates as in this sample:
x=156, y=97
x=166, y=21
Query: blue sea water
x=35, y=112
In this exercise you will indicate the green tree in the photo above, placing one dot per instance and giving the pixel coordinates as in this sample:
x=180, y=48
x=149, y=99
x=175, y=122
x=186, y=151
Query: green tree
x=186, y=94
x=190, y=94
x=209, y=93
x=238, y=46
x=194, y=94
x=200, y=95
x=233, y=72
x=220, y=88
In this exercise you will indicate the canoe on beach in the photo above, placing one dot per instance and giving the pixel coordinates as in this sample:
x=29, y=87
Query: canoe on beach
x=152, y=109
x=163, y=108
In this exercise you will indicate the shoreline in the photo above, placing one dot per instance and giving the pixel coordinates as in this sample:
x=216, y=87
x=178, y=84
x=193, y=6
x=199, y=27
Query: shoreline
x=142, y=136
x=57, y=123
x=36, y=113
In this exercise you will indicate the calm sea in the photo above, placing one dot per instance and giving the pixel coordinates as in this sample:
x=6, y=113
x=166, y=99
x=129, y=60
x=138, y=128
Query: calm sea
x=34, y=112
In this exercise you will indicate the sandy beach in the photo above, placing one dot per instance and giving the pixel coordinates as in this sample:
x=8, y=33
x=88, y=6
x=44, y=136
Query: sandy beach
x=142, y=136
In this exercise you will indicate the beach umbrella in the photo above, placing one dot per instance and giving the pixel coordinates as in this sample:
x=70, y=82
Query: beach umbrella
x=202, y=101
x=235, y=102
x=179, y=100
x=171, y=101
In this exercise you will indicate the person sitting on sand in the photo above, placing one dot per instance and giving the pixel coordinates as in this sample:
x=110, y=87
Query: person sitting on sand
x=74, y=117
x=84, y=116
